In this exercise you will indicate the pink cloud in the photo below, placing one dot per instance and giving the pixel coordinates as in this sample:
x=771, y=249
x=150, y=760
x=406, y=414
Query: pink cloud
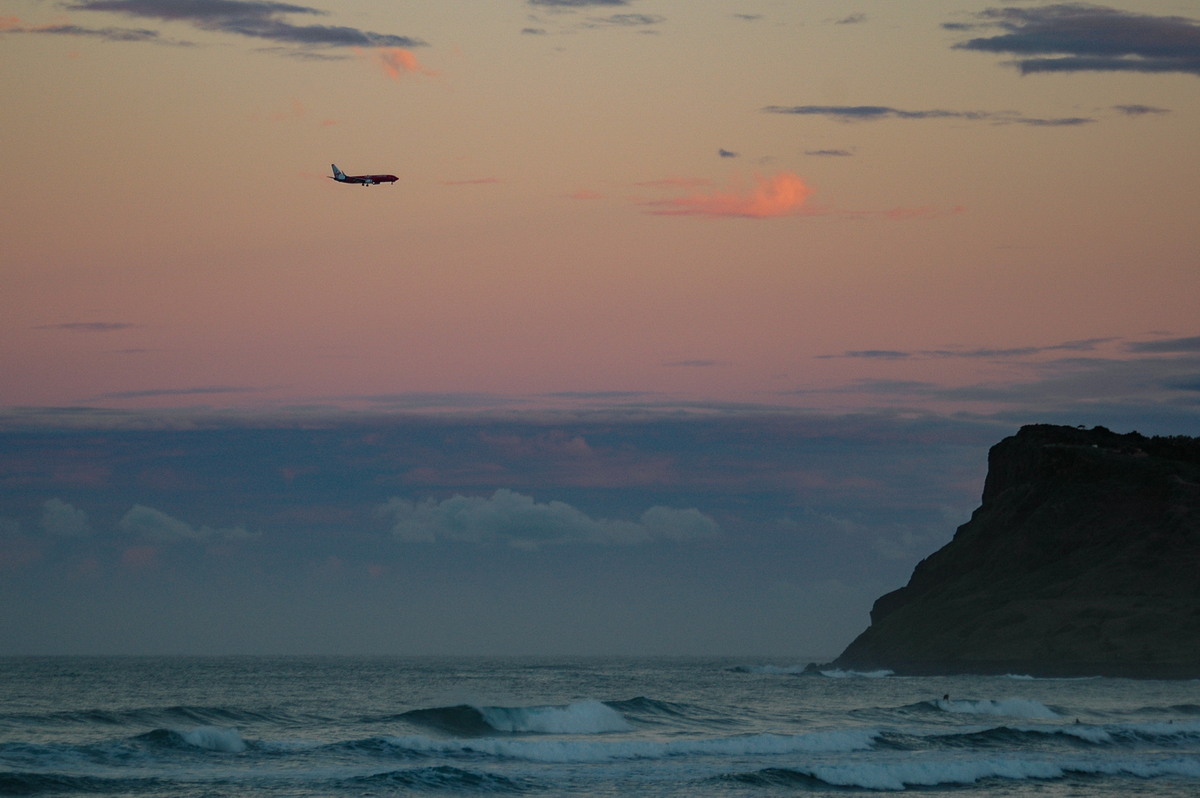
x=782, y=194
x=586, y=194
x=396, y=62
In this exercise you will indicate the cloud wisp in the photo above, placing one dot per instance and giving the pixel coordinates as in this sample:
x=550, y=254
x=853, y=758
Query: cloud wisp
x=625, y=21
x=576, y=3
x=980, y=353
x=1167, y=345
x=89, y=326
x=872, y=113
x=108, y=34
x=1140, y=110
x=206, y=390
x=1100, y=380
x=259, y=19
x=1079, y=37
x=567, y=10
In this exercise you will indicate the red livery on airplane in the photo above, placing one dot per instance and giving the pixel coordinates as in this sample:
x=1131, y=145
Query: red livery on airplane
x=362, y=180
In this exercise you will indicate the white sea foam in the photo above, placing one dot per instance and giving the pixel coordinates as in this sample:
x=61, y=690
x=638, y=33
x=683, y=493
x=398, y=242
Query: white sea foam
x=1157, y=729
x=215, y=738
x=930, y=773
x=772, y=670
x=838, y=673
x=1008, y=707
x=922, y=773
x=591, y=751
x=581, y=717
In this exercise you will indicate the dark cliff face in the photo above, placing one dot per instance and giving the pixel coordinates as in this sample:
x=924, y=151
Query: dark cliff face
x=1083, y=559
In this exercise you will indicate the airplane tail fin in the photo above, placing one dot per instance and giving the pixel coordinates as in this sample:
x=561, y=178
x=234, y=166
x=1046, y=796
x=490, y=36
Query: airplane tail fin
x=338, y=174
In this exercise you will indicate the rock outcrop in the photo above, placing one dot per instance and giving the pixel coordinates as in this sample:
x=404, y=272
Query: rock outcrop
x=1083, y=559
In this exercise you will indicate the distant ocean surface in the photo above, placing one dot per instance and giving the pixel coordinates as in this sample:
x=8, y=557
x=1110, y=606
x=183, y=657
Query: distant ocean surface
x=296, y=727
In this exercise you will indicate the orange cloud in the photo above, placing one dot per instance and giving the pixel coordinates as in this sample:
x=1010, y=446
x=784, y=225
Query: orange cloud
x=15, y=24
x=780, y=195
x=395, y=62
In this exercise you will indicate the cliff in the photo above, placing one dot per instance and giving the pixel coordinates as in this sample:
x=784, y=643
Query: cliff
x=1082, y=559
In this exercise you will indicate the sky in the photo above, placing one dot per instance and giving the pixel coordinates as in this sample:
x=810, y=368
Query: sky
x=685, y=329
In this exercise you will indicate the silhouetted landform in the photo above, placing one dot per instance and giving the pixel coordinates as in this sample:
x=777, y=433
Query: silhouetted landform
x=1083, y=559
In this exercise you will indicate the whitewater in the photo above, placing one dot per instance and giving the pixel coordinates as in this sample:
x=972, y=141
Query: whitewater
x=296, y=727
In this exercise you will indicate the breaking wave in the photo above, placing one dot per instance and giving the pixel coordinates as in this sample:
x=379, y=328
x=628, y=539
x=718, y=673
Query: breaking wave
x=582, y=717
x=1007, y=707
x=208, y=738
x=679, y=729
x=773, y=670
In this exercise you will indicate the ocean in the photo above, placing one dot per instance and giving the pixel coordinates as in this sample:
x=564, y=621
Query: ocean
x=304, y=726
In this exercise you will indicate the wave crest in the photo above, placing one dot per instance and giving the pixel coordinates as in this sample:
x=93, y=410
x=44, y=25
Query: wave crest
x=581, y=717
x=1008, y=707
x=209, y=738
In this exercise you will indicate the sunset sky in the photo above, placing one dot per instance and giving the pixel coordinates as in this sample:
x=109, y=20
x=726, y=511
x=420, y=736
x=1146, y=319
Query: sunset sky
x=863, y=225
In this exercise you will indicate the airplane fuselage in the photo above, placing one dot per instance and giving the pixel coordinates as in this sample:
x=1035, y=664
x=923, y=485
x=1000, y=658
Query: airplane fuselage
x=367, y=180
x=361, y=180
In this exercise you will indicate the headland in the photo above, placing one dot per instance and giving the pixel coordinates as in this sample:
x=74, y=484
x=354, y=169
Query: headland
x=1083, y=559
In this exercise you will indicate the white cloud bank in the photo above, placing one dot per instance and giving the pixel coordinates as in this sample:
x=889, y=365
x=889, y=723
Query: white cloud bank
x=517, y=520
x=155, y=525
x=62, y=520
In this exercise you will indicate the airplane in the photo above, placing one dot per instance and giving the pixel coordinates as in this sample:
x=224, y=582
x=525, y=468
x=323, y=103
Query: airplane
x=362, y=180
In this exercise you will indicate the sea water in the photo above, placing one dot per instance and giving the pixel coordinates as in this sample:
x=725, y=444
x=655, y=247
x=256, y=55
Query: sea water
x=298, y=727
